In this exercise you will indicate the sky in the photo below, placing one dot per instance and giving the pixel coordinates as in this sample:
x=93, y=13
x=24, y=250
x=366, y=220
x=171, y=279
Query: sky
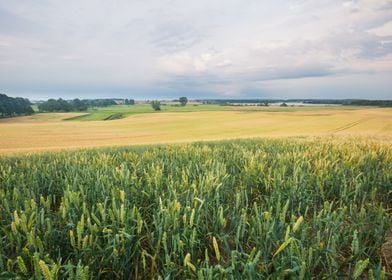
x=147, y=49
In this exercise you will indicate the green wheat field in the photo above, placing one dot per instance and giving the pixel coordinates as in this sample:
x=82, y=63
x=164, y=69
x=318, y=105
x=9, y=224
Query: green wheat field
x=242, y=209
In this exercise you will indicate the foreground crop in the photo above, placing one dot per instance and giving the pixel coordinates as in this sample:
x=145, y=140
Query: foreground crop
x=236, y=209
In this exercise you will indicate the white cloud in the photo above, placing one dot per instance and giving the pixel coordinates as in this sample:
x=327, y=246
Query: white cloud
x=220, y=47
x=383, y=31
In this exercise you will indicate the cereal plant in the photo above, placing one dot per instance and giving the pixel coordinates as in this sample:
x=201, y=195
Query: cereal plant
x=244, y=209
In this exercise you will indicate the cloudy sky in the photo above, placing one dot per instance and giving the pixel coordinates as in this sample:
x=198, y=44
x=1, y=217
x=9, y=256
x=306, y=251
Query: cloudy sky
x=201, y=49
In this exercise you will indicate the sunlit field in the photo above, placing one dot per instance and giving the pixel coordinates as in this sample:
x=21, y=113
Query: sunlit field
x=122, y=111
x=54, y=131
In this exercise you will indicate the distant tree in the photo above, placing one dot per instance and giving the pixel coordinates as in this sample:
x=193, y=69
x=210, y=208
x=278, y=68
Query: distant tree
x=99, y=102
x=10, y=106
x=283, y=105
x=52, y=105
x=156, y=105
x=66, y=106
x=130, y=101
x=78, y=105
x=183, y=100
x=61, y=105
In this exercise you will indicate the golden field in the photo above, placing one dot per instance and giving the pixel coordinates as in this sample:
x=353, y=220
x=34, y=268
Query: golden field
x=50, y=131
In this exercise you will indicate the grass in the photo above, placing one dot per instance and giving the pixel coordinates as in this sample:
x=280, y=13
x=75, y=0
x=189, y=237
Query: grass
x=43, y=132
x=244, y=209
x=95, y=114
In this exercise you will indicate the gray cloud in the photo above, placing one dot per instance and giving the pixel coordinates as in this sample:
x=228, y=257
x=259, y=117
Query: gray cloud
x=12, y=24
x=236, y=83
x=221, y=48
x=175, y=36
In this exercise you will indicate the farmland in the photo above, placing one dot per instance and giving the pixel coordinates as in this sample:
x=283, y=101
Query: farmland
x=57, y=131
x=240, y=209
x=200, y=140
x=309, y=197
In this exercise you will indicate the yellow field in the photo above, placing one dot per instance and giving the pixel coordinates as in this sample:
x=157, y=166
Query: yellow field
x=50, y=132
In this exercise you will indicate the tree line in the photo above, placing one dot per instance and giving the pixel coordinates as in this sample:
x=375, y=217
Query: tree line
x=129, y=101
x=61, y=105
x=156, y=105
x=352, y=102
x=14, y=106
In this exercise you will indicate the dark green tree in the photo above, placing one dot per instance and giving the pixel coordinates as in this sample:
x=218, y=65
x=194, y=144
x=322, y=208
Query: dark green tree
x=10, y=106
x=129, y=101
x=78, y=105
x=156, y=105
x=183, y=101
x=52, y=105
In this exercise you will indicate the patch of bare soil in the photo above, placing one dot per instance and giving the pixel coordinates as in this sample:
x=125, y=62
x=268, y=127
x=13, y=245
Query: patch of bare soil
x=386, y=251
